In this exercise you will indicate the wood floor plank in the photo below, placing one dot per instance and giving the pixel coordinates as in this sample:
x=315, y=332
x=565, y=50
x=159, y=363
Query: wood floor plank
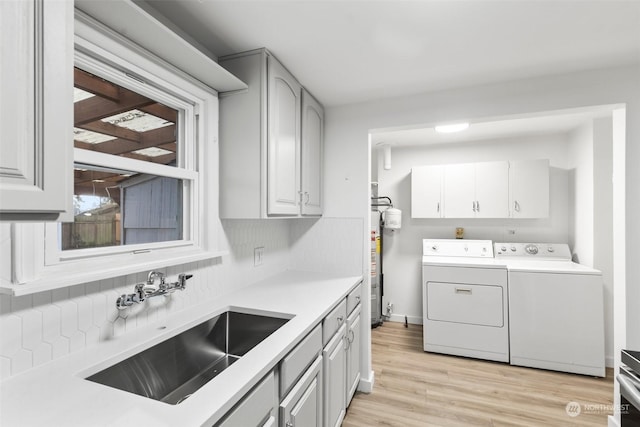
x=418, y=389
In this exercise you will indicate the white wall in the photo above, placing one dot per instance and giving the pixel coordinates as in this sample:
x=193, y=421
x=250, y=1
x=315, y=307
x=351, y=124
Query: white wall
x=403, y=248
x=347, y=156
x=581, y=177
x=603, y=218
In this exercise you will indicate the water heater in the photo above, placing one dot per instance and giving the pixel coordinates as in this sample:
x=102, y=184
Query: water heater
x=392, y=219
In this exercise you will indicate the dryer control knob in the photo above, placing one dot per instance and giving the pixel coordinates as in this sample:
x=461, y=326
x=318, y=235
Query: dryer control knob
x=531, y=249
x=513, y=248
x=550, y=249
x=503, y=248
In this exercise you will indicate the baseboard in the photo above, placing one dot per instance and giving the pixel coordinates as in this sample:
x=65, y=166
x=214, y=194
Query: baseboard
x=366, y=384
x=414, y=320
x=612, y=422
x=609, y=362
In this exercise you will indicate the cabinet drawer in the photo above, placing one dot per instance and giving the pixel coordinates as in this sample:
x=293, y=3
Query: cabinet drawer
x=353, y=299
x=257, y=407
x=294, y=363
x=333, y=321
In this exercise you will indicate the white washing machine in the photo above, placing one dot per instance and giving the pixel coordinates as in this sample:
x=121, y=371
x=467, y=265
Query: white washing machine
x=556, y=309
x=464, y=299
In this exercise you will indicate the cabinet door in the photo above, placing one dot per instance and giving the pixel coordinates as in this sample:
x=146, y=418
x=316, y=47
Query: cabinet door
x=303, y=405
x=334, y=366
x=353, y=353
x=492, y=190
x=459, y=191
x=257, y=408
x=36, y=109
x=312, y=149
x=426, y=192
x=283, y=145
x=529, y=189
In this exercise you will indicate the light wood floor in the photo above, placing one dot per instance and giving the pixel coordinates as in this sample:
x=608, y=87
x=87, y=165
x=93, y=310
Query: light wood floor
x=414, y=388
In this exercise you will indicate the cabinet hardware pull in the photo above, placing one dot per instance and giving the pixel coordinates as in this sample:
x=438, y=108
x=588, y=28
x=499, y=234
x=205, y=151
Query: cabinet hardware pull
x=346, y=343
x=308, y=198
x=464, y=291
x=340, y=319
x=516, y=206
x=477, y=206
x=352, y=336
x=289, y=424
x=358, y=298
x=438, y=207
x=474, y=205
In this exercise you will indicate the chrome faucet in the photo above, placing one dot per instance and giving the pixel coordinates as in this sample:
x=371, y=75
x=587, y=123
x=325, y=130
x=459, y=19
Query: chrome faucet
x=146, y=290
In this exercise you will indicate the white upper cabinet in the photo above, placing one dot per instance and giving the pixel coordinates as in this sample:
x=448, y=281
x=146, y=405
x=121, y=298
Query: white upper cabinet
x=426, y=191
x=515, y=189
x=312, y=154
x=492, y=189
x=36, y=110
x=476, y=190
x=459, y=191
x=270, y=142
x=283, y=156
x=529, y=189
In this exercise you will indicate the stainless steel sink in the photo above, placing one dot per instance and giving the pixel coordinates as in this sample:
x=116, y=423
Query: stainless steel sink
x=174, y=369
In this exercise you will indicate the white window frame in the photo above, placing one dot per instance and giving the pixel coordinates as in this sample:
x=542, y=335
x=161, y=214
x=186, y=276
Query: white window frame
x=39, y=264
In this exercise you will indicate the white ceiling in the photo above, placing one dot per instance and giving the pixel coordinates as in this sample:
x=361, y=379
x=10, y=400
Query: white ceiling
x=549, y=123
x=354, y=51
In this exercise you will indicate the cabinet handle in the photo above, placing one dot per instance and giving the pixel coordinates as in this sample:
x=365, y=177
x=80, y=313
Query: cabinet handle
x=438, y=207
x=352, y=336
x=306, y=202
x=474, y=205
x=340, y=319
x=477, y=206
x=357, y=298
x=289, y=424
x=346, y=343
x=516, y=206
x=464, y=291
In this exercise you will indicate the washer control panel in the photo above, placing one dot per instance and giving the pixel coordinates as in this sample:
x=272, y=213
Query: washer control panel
x=542, y=251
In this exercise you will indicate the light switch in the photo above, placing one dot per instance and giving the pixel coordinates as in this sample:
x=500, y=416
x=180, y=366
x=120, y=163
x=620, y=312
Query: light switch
x=258, y=256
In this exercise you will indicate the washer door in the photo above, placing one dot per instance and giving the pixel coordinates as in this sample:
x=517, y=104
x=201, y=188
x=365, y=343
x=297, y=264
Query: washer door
x=464, y=303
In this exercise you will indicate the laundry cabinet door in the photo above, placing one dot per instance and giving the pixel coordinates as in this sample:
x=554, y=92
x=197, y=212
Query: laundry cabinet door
x=426, y=191
x=492, y=190
x=459, y=191
x=529, y=188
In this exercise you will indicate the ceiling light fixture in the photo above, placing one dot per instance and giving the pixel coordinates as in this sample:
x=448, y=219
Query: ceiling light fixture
x=458, y=127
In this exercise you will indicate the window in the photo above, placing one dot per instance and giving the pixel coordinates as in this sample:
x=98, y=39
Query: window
x=124, y=207
x=145, y=169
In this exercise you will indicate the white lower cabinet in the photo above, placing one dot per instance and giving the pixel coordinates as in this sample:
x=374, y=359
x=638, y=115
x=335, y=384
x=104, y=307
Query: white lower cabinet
x=313, y=385
x=353, y=353
x=334, y=365
x=257, y=408
x=303, y=405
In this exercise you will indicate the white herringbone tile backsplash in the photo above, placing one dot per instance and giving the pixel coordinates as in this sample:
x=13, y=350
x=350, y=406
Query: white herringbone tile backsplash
x=36, y=329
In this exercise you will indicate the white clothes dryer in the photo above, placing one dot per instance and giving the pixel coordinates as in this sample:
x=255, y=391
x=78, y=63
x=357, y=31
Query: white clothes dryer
x=556, y=309
x=464, y=299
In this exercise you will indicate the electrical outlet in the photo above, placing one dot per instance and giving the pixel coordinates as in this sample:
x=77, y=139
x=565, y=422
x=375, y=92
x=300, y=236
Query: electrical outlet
x=258, y=256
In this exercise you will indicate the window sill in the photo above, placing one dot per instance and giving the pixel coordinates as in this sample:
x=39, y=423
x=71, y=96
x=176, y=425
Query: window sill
x=59, y=276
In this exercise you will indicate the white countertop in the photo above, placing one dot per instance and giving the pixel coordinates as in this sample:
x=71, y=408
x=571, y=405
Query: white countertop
x=57, y=394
